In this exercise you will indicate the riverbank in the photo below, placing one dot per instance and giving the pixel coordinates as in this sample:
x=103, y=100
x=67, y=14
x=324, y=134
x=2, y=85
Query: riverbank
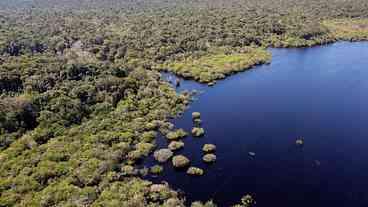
x=218, y=63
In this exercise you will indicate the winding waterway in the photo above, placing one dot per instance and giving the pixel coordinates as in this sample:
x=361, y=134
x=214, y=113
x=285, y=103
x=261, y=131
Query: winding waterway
x=320, y=94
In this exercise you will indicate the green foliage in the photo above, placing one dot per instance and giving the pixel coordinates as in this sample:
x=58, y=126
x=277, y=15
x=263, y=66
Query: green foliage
x=246, y=201
x=134, y=192
x=177, y=134
x=63, y=194
x=218, y=64
x=16, y=113
x=348, y=29
x=156, y=169
x=81, y=96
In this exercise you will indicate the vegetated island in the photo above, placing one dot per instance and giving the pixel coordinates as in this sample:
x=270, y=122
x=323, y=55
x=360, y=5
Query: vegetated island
x=82, y=99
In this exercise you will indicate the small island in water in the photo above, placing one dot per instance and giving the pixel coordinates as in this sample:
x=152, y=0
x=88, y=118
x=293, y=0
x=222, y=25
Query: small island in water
x=124, y=103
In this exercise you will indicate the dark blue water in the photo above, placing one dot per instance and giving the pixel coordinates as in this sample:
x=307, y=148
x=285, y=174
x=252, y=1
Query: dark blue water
x=320, y=94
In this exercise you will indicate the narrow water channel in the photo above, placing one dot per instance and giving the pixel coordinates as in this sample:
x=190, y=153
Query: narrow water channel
x=320, y=94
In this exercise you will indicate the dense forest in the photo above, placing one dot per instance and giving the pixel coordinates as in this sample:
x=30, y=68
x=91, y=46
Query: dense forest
x=81, y=95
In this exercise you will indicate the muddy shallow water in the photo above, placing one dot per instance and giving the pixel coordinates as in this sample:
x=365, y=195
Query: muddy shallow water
x=320, y=94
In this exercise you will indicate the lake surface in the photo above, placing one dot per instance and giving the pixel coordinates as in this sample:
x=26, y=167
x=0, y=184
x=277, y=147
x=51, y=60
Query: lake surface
x=320, y=94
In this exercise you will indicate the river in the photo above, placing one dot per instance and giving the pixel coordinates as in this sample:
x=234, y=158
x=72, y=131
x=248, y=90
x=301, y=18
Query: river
x=319, y=94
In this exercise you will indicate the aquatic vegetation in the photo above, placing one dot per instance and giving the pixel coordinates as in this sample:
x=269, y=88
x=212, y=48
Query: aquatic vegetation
x=176, y=145
x=180, y=161
x=299, y=141
x=196, y=115
x=246, y=201
x=163, y=155
x=209, y=158
x=161, y=192
x=197, y=122
x=165, y=127
x=156, y=169
x=195, y=171
x=145, y=148
x=143, y=171
x=208, y=148
x=128, y=170
x=197, y=132
x=178, y=134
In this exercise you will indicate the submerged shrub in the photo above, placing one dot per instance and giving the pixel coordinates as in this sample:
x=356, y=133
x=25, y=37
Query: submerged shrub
x=197, y=122
x=128, y=170
x=195, y=171
x=175, y=145
x=163, y=155
x=156, y=169
x=197, y=132
x=209, y=148
x=299, y=142
x=178, y=134
x=246, y=201
x=196, y=115
x=145, y=148
x=180, y=161
x=209, y=158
